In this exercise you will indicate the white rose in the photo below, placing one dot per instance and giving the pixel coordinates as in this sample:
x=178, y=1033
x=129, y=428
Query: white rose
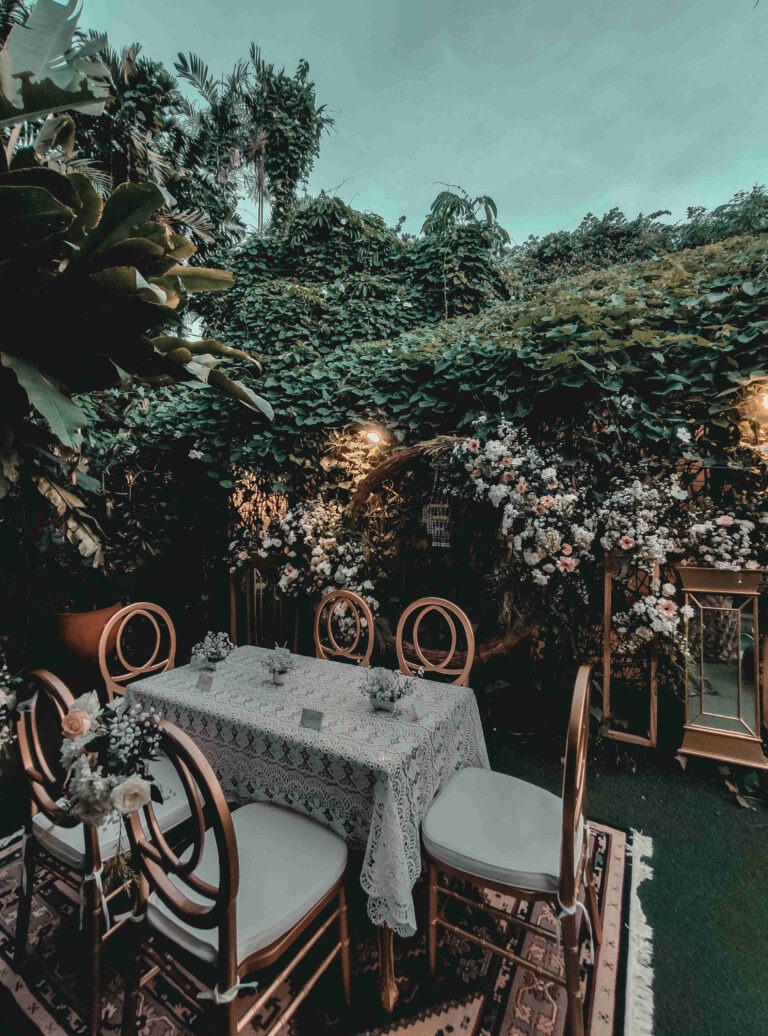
x=7, y=699
x=668, y=590
x=131, y=795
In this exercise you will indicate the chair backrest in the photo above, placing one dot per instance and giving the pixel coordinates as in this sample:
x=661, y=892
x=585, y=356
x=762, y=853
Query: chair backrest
x=344, y=627
x=451, y=661
x=174, y=877
x=39, y=736
x=117, y=671
x=574, y=785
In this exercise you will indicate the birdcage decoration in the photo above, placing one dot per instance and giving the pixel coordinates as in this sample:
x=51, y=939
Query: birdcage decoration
x=437, y=516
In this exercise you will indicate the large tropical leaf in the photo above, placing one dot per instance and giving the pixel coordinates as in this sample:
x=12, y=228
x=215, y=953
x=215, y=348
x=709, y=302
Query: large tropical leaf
x=64, y=418
x=130, y=206
x=199, y=278
x=41, y=72
x=29, y=215
x=241, y=393
x=80, y=528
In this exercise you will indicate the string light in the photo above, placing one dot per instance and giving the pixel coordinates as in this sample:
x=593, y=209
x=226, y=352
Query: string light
x=765, y=401
x=377, y=437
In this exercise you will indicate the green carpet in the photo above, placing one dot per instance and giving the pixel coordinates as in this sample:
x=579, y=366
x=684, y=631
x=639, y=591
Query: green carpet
x=708, y=900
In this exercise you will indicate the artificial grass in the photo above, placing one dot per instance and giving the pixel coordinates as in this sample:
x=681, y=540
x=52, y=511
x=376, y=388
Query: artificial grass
x=708, y=899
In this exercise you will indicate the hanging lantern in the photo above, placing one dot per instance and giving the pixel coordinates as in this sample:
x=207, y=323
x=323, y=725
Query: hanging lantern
x=725, y=677
x=437, y=517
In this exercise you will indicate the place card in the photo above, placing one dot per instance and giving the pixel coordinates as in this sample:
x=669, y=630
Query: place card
x=205, y=682
x=418, y=709
x=311, y=718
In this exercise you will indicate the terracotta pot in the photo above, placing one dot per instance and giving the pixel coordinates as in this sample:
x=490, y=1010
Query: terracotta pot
x=78, y=633
x=720, y=580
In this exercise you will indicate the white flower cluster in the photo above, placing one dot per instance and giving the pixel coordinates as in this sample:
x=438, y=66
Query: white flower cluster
x=214, y=647
x=546, y=519
x=105, y=752
x=641, y=520
x=279, y=661
x=319, y=558
x=382, y=684
x=655, y=613
x=722, y=540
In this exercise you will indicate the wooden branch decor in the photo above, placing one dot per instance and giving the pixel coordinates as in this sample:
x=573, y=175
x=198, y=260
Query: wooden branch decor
x=397, y=461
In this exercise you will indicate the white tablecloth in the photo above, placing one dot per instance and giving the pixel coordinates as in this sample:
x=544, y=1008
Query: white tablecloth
x=368, y=776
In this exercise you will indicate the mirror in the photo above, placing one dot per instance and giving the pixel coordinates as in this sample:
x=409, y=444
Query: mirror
x=722, y=671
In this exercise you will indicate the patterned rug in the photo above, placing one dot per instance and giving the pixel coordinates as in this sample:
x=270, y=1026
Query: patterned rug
x=475, y=994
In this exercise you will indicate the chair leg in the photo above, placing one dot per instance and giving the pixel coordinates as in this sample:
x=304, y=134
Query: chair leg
x=346, y=979
x=93, y=935
x=570, y=925
x=592, y=904
x=132, y=990
x=26, y=889
x=228, y=1015
x=434, y=878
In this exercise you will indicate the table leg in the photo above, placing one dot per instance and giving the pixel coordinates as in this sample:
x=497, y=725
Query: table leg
x=387, y=981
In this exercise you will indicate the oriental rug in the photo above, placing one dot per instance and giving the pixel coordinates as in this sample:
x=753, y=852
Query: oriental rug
x=475, y=993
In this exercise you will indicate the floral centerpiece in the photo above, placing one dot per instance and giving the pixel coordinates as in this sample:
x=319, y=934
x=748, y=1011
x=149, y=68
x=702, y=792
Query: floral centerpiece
x=106, y=752
x=730, y=539
x=385, y=688
x=641, y=523
x=212, y=649
x=278, y=663
x=654, y=613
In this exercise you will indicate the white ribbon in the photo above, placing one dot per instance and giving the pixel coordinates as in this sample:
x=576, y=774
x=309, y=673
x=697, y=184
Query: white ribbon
x=566, y=911
x=94, y=876
x=129, y=916
x=228, y=995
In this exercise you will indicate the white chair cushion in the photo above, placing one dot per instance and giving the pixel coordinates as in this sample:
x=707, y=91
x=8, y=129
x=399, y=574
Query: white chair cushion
x=498, y=828
x=287, y=864
x=66, y=843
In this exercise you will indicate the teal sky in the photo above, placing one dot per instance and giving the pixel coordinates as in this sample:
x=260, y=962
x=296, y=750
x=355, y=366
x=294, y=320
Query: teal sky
x=553, y=107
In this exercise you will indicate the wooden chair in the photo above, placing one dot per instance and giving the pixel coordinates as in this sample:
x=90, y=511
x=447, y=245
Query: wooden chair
x=68, y=849
x=223, y=922
x=163, y=654
x=344, y=605
x=411, y=656
x=499, y=832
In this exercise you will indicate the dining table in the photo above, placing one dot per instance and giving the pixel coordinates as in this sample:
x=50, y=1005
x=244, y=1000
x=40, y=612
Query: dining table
x=315, y=744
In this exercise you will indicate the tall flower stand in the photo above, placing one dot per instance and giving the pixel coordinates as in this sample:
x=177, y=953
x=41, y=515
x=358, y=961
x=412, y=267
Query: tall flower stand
x=725, y=680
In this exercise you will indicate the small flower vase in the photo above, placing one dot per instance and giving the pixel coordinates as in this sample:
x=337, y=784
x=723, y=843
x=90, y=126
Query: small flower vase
x=382, y=705
x=209, y=665
x=278, y=678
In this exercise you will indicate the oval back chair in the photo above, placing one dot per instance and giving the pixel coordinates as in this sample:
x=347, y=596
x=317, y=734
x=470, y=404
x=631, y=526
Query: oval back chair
x=499, y=832
x=218, y=928
x=356, y=644
x=450, y=662
x=119, y=671
x=75, y=856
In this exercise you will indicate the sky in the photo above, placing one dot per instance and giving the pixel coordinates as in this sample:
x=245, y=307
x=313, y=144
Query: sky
x=554, y=108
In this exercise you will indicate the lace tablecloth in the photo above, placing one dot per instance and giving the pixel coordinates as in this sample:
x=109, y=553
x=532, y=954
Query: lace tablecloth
x=368, y=776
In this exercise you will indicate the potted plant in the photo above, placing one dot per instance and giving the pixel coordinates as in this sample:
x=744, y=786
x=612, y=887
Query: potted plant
x=278, y=663
x=385, y=689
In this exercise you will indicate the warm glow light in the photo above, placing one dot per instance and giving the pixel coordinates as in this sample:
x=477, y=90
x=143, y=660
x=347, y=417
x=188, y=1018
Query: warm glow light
x=765, y=401
x=377, y=437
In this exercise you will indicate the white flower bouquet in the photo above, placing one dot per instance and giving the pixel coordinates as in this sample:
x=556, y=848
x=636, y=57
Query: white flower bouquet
x=728, y=539
x=641, y=522
x=385, y=688
x=278, y=663
x=212, y=649
x=654, y=614
x=106, y=752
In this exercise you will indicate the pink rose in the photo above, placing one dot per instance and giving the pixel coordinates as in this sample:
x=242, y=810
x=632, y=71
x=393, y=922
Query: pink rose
x=667, y=607
x=473, y=445
x=724, y=519
x=508, y=476
x=76, y=723
x=552, y=485
x=263, y=534
x=567, y=548
x=566, y=564
x=242, y=555
x=506, y=462
x=521, y=487
x=626, y=543
x=546, y=500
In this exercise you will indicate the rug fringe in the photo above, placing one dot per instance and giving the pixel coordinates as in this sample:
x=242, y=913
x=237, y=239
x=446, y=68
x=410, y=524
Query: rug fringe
x=639, y=1014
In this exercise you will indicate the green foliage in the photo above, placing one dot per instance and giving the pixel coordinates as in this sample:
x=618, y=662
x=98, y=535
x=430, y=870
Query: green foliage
x=615, y=363
x=331, y=276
